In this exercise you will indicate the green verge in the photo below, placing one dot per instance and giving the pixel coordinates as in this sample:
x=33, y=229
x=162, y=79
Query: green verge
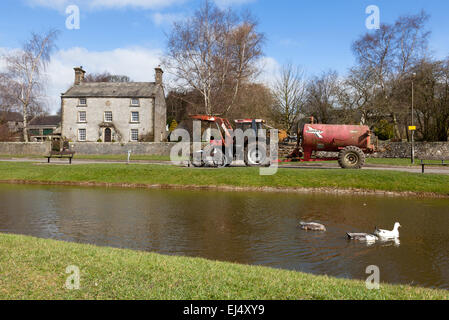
x=235, y=177
x=398, y=162
x=34, y=268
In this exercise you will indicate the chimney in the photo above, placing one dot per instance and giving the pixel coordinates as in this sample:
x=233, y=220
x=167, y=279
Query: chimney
x=79, y=75
x=159, y=74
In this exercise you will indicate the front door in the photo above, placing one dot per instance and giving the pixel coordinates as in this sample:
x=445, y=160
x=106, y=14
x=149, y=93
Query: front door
x=107, y=135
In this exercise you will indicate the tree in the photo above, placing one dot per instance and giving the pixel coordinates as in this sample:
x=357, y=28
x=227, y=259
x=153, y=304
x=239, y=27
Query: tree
x=106, y=77
x=214, y=53
x=24, y=78
x=386, y=58
x=322, y=96
x=289, y=94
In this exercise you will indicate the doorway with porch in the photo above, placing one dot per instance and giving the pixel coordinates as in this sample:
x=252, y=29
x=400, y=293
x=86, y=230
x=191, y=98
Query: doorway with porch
x=107, y=135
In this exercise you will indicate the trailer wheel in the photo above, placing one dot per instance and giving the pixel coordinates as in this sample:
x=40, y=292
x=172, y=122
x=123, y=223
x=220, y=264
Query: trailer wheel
x=256, y=155
x=351, y=158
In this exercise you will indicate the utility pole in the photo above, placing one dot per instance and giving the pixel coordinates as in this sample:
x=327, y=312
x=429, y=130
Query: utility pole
x=413, y=120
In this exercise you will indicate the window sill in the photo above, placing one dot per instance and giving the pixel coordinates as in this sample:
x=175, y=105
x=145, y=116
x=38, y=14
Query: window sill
x=132, y=122
x=134, y=105
x=82, y=122
x=81, y=106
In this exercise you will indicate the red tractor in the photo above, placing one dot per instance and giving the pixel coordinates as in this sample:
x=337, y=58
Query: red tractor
x=215, y=153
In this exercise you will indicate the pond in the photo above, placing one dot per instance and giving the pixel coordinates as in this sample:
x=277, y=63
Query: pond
x=243, y=227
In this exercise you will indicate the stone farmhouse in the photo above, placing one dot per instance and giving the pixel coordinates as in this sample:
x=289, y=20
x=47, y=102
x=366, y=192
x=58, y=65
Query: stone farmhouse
x=114, y=112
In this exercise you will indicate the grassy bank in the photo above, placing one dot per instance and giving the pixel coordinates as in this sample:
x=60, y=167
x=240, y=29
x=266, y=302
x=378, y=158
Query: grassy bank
x=235, y=177
x=34, y=268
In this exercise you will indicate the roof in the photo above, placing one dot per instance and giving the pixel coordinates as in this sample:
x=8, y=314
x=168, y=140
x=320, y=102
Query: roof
x=11, y=116
x=46, y=121
x=112, y=89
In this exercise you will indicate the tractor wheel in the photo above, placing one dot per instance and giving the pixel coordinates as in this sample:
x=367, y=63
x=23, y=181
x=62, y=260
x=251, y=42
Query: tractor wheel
x=351, y=158
x=199, y=163
x=221, y=160
x=256, y=155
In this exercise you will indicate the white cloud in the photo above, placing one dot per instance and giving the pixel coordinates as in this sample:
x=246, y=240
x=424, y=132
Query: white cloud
x=166, y=18
x=104, y=4
x=228, y=3
x=137, y=63
x=270, y=70
x=117, y=4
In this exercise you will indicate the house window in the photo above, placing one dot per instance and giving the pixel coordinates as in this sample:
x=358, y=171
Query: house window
x=83, y=101
x=82, y=116
x=134, y=135
x=134, y=116
x=82, y=134
x=108, y=116
x=135, y=102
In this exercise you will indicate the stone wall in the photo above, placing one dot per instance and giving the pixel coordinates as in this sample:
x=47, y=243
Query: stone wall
x=25, y=148
x=142, y=148
x=422, y=150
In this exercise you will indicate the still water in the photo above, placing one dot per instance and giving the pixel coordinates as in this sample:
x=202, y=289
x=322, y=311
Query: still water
x=248, y=228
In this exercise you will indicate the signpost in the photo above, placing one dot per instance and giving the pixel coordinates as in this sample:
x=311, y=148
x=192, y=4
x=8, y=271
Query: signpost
x=412, y=128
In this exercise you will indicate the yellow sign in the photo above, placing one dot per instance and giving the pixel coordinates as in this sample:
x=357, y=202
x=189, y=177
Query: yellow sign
x=412, y=128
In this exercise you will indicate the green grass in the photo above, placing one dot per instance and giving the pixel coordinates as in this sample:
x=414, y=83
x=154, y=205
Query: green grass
x=397, y=162
x=32, y=268
x=237, y=176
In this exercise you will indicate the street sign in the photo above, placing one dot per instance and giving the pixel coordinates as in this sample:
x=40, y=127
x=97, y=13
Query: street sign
x=412, y=128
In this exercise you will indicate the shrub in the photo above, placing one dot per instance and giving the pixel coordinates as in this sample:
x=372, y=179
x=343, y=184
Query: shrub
x=384, y=130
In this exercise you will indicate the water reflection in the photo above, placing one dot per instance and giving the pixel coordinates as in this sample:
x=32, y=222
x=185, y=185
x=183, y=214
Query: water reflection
x=248, y=228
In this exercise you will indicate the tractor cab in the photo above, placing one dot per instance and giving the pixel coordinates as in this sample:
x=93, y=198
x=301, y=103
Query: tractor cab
x=219, y=129
x=255, y=124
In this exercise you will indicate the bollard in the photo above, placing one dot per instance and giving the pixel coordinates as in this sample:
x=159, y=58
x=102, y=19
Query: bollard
x=129, y=155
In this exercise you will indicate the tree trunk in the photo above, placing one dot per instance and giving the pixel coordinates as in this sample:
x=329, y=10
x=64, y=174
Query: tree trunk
x=25, y=124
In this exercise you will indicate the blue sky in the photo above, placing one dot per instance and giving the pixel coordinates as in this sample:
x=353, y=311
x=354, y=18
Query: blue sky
x=128, y=36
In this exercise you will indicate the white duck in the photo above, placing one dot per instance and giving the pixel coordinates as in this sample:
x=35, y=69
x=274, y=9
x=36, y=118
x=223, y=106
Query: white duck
x=386, y=234
x=362, y=237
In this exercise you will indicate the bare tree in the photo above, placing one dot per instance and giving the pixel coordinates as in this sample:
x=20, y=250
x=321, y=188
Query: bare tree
x=289, y=93
x=24, y=78
x=214, y=53
x=323, y=96
x=386, y=57
x=106, y=77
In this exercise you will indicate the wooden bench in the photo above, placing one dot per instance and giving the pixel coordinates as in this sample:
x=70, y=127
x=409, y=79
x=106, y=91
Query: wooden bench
x=61, y=154
x=444, y=163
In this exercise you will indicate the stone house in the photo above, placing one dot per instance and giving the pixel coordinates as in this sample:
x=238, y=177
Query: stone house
x=13, y=120
x=114, y=112
x=45, y=128
x=11, y=126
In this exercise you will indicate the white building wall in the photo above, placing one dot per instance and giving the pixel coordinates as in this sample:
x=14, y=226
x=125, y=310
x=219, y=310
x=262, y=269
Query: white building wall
x=121, y=113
